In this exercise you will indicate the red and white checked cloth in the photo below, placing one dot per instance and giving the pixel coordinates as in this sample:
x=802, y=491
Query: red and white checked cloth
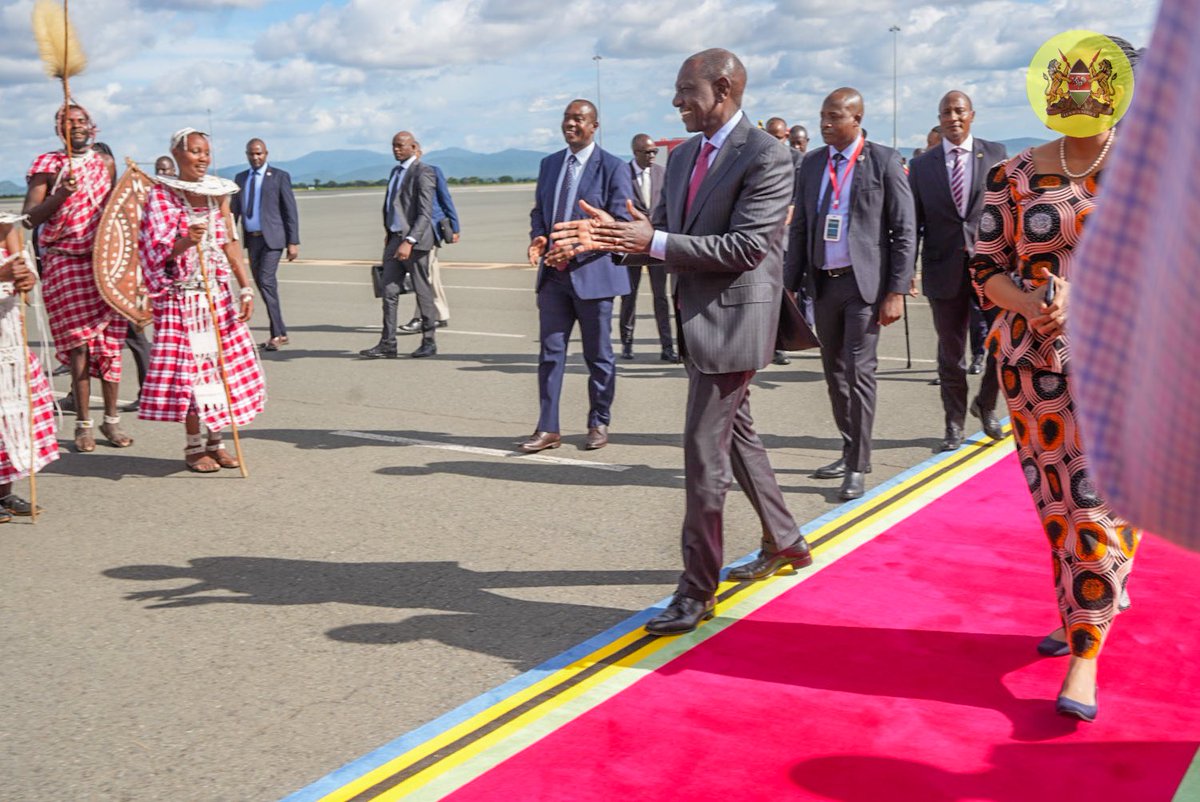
x=168, y=392
x=1135, y=302
x=45, y=435
x=77, y=313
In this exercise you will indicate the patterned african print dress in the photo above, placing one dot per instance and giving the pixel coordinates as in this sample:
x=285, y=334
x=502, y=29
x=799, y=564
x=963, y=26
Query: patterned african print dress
x=18, y=366
x=184, y=375
x=78, y=314
x=1033, y=220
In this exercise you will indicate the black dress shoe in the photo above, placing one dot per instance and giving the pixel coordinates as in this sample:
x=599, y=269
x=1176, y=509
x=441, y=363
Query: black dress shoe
x=991, y=424
x=380, y=351
x=669, y=355
x=935, y=382
x=781, y=359
x=834, y=470
x=976, y=365
x=627, y=351
x=411, y=327
x=853, y=486
x=441, y=324
x=428, y=348
x=682, y=615
x=768, y=564
x=953, y=439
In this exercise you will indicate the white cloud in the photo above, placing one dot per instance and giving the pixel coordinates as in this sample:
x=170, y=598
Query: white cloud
x=490, y=74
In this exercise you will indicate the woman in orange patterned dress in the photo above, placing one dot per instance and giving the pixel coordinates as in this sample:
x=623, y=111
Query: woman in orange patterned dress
x=1035, y=209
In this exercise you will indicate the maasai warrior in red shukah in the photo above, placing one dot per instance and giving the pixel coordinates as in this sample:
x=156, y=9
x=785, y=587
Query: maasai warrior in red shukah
x=185, y=239
x=23, y=445
x=66, y=198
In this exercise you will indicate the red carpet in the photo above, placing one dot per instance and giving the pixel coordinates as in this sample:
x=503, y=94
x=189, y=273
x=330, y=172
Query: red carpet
x=906, y=670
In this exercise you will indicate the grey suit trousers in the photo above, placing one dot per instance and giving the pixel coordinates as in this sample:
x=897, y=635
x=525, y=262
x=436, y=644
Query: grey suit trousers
x=848, y=328
x=719, y=445
x=393, y=280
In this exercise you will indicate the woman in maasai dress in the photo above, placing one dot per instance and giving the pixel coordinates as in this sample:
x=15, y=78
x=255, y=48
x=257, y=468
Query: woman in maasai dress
x=20, y=372
x=185, y=230
x=1035, y=208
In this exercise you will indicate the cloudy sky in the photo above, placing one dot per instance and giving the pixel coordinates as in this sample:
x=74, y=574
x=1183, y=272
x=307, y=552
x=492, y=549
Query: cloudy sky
x=492, y=74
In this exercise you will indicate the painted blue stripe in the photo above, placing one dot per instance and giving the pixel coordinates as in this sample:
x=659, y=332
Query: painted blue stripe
x=411, y=740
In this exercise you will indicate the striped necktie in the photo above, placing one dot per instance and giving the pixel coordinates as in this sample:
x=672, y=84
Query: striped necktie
x=958, y=182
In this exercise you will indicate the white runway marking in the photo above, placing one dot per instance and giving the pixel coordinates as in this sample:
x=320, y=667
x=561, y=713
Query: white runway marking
x=487, y=452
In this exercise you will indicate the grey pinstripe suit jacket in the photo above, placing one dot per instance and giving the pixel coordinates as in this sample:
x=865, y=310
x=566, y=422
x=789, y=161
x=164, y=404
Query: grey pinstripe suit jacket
x=727, y=254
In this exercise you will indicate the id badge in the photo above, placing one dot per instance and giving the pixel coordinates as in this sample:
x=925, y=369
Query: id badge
x=833, y=227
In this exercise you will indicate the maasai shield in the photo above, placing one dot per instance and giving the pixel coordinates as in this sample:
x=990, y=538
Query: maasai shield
x=115, y=254
x=1080, y=82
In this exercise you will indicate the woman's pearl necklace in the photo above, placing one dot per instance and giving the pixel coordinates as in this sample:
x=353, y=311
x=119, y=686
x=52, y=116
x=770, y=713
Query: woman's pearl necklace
x=1062, y=157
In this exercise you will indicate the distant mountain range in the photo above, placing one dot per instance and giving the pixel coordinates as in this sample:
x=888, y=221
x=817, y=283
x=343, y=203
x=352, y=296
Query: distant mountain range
x=366, y=165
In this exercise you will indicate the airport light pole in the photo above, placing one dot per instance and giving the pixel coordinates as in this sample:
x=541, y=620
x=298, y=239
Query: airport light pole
x=600, y=133
x=895, y=31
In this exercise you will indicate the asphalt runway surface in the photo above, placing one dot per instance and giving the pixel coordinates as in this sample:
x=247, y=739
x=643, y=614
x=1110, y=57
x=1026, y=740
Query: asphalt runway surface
x=175, y=636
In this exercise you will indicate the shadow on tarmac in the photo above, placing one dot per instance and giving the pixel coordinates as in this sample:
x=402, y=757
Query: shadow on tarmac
x=452, y=605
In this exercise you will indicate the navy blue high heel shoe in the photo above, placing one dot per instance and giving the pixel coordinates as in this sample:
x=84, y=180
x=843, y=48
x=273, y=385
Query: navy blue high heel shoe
x=1049, y=647
x=1071, y=708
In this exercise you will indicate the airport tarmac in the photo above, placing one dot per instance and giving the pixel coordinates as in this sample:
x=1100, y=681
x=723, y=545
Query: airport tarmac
x=170, y=636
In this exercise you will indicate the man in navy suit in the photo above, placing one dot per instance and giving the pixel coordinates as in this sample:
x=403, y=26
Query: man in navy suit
x=576, y=289
x=443, y=209
x=948, y=185
x=266, y=208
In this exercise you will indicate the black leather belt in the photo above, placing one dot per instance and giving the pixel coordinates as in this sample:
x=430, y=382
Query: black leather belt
x=253, y=233
x=838, y=271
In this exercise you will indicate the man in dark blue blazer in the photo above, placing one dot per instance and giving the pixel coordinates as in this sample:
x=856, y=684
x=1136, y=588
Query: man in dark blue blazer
x=576, y=289
x=266, y=208
x=948, y=185
x=443, y=209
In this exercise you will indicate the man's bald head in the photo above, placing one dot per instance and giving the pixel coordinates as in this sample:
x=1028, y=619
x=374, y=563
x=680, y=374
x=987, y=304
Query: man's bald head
x=709, y=89
x=644, y=150
x=798, y=138
x=841, y=117
x=404, y=146
x=778, y=128
x=256, y=153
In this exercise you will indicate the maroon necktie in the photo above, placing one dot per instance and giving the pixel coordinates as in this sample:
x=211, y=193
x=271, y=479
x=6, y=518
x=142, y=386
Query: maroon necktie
x=698, y=173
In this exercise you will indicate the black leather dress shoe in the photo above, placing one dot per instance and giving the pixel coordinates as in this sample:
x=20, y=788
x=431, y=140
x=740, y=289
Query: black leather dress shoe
x=411, y=327
x=768, y=564
x=853, y=486
x=627, y=351
x=682, y=615
x=669, y=355
x=935, y=382
x=976, y=365
x=953, y=439
x=380, y=351
x=991, y=424
x=834, y=470
x=441, y=324
x=781, y=359
x=428, y=348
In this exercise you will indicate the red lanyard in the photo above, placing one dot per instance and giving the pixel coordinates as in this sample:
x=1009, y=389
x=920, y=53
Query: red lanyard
x=833, y=179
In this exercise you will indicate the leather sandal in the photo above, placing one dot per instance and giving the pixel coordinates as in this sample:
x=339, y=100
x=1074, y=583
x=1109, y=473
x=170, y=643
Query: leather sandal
x=216, y=450
x=12, y=504
x=85, y=441
x=198, y=461
x=111, y=429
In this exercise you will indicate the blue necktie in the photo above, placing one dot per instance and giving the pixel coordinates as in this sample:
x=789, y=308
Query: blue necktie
x=250, y=194
x=561, y=212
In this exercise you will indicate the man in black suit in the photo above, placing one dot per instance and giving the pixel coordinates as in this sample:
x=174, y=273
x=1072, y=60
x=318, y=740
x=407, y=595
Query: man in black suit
x=647, y=190
x=947, y=185
x=853, y=242
x=266, y=208
x=407, y=242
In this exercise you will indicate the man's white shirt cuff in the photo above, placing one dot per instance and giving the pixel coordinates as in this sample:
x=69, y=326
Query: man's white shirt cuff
x=658, y=245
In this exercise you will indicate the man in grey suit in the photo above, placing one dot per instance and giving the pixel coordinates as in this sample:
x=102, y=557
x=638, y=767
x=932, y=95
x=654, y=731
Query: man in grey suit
x=647, y=189
x=947, y=186
x=719, y=228
x=853, y=243
x=407, y=241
